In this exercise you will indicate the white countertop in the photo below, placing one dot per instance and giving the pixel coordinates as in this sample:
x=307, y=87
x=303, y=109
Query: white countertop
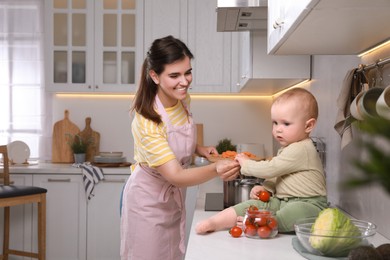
x=60, y=168
x=220, y=245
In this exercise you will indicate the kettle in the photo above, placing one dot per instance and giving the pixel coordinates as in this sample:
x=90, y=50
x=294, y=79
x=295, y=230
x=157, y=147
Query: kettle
x=238, y=190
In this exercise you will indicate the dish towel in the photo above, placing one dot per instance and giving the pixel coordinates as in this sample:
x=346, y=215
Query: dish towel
x=352, y=85
x=91, y=176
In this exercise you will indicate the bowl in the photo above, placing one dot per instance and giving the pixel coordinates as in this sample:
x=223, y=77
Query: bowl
x=111, y=154
x=201, y=161
x=338, y=243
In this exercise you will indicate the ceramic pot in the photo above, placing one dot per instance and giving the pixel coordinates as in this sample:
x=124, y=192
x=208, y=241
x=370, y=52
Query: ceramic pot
x=79, y=157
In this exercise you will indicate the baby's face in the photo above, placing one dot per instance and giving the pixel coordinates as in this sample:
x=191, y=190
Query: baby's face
x=288, y=122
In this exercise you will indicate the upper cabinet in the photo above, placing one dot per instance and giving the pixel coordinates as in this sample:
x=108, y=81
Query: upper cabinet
x=263, y=74
x=93, y=46
x=327, y=26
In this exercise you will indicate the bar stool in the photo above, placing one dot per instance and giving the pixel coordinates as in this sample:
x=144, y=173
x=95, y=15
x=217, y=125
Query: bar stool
x=11, y=195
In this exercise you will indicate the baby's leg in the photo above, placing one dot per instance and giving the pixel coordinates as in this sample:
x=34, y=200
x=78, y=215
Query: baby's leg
x=224, y=219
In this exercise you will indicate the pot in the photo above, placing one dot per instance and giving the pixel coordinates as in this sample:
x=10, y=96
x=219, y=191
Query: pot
x=238, y=190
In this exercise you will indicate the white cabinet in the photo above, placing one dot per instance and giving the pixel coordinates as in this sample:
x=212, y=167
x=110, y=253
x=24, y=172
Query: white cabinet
x=263, y=74
x=326, y=26
x=104, y=219
x=66, y=230
x=21, y=220
x=93, y=45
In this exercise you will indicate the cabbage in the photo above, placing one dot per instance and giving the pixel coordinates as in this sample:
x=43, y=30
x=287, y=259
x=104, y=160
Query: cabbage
x=333, y=233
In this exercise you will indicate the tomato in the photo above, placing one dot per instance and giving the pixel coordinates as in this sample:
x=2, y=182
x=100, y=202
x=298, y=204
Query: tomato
x=261, y=221
x=264, y=231
x=250, y=230
x=272, y=223
x=264, y=196
x=235, y=231
x=252, y=209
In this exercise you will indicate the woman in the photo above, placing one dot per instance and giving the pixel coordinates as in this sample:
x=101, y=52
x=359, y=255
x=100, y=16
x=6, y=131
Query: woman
x=153, y=211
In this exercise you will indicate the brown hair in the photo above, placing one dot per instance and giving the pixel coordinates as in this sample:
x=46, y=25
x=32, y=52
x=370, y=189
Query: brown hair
x=163, y=51
x=307, y=100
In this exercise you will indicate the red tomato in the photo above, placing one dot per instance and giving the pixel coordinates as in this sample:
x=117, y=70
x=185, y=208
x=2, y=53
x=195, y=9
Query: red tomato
x=264, y=231
x=264, y=196
x=252, y=209
x=272, y=223
x=235, y=231
x=250, y=230
x=261, y=221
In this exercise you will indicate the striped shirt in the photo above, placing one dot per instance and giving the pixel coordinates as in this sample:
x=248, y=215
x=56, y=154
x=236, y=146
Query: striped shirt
x=151, y=141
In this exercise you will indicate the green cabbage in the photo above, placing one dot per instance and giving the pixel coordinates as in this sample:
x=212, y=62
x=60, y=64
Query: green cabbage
x=333, y=233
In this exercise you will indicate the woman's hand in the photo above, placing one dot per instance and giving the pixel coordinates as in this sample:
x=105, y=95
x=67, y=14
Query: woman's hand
x=206, y=151
x=227, y=170
x=255, y=191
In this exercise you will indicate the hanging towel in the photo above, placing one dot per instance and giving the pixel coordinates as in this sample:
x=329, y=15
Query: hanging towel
x=352, y=85
x=91, y=176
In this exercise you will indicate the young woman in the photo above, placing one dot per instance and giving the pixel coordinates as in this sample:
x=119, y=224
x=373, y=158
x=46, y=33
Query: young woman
x=153, y=210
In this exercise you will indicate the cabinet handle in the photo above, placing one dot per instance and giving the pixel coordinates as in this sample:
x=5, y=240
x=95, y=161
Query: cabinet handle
x=115, y=181
x=278, y=23
x=96, y=86
x=58, y=180
x=89, y=86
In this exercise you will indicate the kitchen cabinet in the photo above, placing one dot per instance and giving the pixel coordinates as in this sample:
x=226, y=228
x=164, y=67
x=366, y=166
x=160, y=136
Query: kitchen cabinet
x=93, y=46
x=21, y=220
x=194, y=22
x=66, y=231
x=103, y=220
x=326, y=26
x=263, y=74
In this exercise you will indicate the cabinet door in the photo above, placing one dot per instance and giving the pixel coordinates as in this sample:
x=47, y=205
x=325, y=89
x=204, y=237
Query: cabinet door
x=104, y=219
x=163, y=18
x=212, y=49
x=65, y=217
x=21, y=220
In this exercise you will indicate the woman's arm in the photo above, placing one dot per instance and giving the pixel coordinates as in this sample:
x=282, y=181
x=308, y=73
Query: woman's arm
x=176, y=175
x=206, y=151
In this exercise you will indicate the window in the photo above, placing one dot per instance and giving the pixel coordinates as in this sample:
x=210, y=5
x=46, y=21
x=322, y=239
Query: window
x=22, y=95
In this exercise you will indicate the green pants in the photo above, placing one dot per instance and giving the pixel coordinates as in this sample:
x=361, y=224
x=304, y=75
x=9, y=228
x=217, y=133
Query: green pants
x=287, y=210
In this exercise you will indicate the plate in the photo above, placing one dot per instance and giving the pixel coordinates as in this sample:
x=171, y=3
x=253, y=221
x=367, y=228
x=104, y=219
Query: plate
x=18, y=152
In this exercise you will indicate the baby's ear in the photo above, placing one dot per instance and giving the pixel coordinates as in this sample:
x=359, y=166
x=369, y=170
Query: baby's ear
x=310, y=124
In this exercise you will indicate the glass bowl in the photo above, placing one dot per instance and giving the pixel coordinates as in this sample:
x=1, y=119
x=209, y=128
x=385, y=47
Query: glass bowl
x=201, y=161
x=336, y=243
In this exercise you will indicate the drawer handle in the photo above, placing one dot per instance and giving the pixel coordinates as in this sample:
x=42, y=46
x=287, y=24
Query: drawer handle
x=278, y=23
x=115, y=181
x=58, y=180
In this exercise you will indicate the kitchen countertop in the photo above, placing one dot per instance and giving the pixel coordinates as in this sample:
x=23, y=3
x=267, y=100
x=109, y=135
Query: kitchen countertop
x=220, y=245
x=60, y=168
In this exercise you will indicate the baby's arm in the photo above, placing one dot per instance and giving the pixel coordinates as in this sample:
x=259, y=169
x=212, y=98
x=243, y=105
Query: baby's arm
x=241, y=158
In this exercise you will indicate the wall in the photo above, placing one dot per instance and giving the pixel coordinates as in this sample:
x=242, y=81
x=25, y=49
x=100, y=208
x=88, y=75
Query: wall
x=241, y=119
x=371, y=202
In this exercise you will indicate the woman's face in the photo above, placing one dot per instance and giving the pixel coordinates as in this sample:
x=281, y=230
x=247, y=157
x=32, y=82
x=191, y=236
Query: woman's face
x=288, y=122
x=173, y=82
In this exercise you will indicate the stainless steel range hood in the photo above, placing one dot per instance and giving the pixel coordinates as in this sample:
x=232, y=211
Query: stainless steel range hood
x=240, y=15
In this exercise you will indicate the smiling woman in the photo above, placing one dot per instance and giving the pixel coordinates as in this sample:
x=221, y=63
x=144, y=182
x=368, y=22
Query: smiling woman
x=22, y=99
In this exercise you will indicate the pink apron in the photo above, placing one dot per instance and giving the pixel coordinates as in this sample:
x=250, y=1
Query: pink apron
x=153, y=210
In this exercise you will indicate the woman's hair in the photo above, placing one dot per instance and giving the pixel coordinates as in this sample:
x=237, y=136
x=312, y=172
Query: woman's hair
x=304, y=97
x=163, y=51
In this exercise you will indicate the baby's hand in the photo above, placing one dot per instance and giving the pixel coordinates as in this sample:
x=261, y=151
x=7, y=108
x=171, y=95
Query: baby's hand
x=241, y=158
x=255, y=192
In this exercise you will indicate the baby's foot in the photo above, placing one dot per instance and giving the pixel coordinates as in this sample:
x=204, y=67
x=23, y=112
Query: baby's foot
x=205, y=226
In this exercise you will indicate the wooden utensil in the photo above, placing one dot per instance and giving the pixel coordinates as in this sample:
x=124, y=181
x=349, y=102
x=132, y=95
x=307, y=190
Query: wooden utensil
x=93, y=137
x=61, y=152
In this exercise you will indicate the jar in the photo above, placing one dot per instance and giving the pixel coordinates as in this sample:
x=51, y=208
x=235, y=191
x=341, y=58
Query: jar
x=259, y=224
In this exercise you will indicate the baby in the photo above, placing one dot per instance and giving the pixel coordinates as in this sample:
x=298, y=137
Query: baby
x=295, y=176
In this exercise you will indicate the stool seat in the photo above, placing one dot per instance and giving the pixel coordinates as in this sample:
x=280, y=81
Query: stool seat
x=16, y=191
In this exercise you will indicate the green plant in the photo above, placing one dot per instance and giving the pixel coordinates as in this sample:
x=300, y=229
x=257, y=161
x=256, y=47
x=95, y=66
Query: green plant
x=376, y=167
x=78, y=144
x=225, y=145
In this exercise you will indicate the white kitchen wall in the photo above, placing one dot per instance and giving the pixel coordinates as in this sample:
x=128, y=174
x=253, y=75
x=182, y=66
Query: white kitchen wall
x=243, y=120
x=371, y=202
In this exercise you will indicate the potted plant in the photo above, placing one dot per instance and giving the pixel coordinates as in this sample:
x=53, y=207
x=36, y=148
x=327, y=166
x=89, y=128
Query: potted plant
x=78, y=146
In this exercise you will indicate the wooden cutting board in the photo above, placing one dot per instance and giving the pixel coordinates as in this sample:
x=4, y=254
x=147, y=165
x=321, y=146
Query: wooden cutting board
x=89, y=134
x=61, y=152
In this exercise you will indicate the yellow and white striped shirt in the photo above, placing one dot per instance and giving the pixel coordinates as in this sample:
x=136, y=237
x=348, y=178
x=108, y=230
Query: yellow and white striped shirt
x=151, y=140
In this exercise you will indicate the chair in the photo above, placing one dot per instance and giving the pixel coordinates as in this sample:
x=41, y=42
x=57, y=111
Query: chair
x=11, y=195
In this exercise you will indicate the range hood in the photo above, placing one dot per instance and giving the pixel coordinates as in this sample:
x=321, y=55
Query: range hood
x=240, y=15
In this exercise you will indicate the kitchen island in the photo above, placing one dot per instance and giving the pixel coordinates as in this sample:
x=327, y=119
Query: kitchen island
x=220, y=245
